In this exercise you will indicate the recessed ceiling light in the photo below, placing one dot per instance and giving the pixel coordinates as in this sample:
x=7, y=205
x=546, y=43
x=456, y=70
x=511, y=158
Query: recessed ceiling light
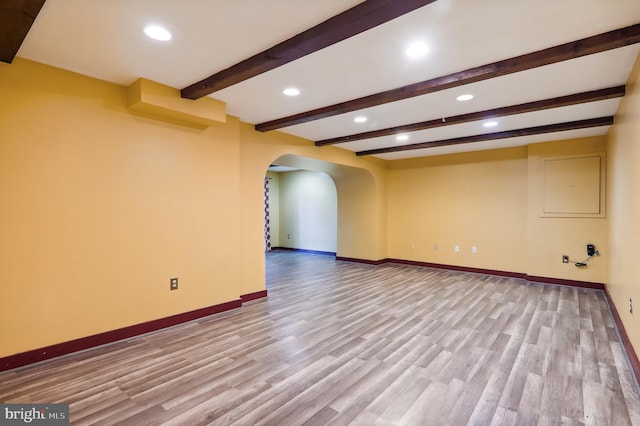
x=291, y=91
x=490, y=124
x=417, y=50
x=157, y=33
x=360, y=119
x=402, y=138
x=463, y=98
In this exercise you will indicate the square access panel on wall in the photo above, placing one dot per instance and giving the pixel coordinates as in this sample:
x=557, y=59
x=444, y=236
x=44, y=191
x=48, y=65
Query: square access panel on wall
x=574, y=186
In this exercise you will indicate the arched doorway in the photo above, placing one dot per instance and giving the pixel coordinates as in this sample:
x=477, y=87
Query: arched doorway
x=301, y=210
x=360, y=202
x=361, y=209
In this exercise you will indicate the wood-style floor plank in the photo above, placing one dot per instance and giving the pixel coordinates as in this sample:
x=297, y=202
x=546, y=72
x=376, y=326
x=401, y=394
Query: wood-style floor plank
x=339, y=343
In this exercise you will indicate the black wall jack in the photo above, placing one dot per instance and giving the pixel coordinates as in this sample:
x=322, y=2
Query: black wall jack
x=591, y=252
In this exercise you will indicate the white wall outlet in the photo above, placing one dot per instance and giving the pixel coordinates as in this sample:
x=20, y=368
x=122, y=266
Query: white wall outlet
x=456, y=249
x=435, y=247
x=474, y=249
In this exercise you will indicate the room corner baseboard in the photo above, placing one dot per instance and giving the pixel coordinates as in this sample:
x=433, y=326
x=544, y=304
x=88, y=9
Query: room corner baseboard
x=458, y=268
x=626, y=342
x=41, y=354
x=435, y=265
x=253, y=296
x=519, y=275
x=560, y=281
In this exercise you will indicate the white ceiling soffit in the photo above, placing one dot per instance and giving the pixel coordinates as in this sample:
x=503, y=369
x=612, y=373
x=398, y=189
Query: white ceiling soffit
x=104, y=39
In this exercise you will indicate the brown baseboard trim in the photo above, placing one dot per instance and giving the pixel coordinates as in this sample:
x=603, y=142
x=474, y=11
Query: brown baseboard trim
x=519, y=275
x=560, y=281
x=365, y=261
x=253, y=296
x=435, y=265
x=531, y=278
x=59, y=349
x=459, y=268
x=626, y=343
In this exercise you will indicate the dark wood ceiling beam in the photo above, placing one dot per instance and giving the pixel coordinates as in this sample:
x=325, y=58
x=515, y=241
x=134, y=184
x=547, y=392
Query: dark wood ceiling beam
x=356, y=20
x=561, y=101
x=586, y=46
x=550, y=128
x=16, y=19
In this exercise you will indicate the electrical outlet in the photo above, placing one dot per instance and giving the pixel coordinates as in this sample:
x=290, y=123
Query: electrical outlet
x=474, y=249
x=565, y=258
x=173, y=283
x=435, y=247
x=456, y=249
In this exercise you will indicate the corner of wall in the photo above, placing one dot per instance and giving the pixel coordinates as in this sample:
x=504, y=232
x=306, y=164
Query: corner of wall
x=623, y=180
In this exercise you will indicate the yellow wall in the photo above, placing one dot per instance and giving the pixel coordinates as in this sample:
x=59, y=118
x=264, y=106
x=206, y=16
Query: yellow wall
x=473, y=199
x=623, y=209
x=101, y=207
x=491, y=200
x=549, y=238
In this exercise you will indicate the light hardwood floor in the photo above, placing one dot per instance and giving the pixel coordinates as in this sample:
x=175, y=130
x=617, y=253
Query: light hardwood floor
x=340, y=343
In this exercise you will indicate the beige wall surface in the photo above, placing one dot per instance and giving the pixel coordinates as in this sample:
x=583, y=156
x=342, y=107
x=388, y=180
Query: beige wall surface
x=623, y=192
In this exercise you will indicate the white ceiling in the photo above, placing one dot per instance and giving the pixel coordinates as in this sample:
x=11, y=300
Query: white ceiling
x=104, y=39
